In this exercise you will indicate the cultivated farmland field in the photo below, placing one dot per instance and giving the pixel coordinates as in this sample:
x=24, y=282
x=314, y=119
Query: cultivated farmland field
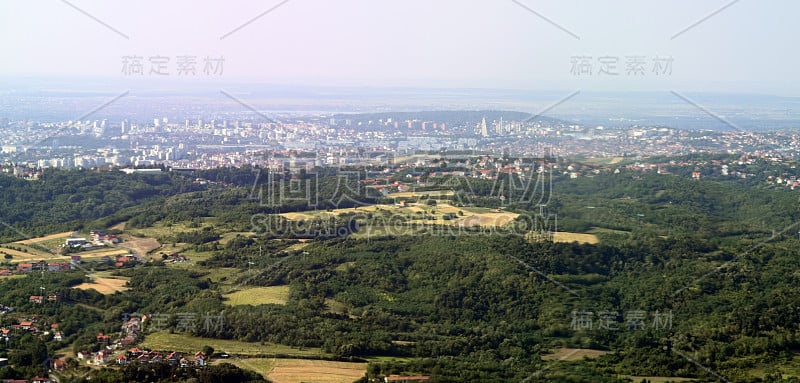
x=319, y=371
x=301, y=370
x=185, y=343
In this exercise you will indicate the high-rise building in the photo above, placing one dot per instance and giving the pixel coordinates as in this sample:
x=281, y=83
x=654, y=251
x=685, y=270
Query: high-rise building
x=484, y=130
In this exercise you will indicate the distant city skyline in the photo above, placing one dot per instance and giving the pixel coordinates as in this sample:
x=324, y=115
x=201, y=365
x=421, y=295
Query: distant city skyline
x=620, y=45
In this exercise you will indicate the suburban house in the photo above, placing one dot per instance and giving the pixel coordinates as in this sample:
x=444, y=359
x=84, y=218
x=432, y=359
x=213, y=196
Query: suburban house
x=75, y=242
x=5, y=334
x=99, y=237
x=59, y=364
x=84, y=355
x=102, y=338
x=102, y=357
x=200, y=359
x=123, y=360
x=59, y=266
x=174, y=357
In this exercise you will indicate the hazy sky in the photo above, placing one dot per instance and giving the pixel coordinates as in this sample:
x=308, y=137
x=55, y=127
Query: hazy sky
x=749, y=46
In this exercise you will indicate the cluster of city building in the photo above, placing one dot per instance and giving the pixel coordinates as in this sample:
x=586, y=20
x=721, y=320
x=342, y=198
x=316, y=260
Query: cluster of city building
x=330, y=141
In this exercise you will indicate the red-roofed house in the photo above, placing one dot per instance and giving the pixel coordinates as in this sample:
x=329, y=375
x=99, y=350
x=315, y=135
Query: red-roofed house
x=59, y=364
x=200, y=359
x=102, y=338
x=123, y=360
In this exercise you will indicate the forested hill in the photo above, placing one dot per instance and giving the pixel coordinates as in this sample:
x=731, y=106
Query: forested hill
x=683, y=278
x=66, y=199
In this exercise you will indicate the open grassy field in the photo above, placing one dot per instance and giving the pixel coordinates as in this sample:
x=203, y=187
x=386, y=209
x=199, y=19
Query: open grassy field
x=28, y=253
x=417, y=194
x=140, y=246
x=185, y=343
x=573, y=354
x=298, y=246
x=485, y=220
x=38, y=255
x=414, y=215
x=300, y=216
x=262, y=366
x=301, y=370
x=563, y=236
x=277, y=295
x=318, y=371
x=357, y=210
x=105, y=286
x=161, y=230
x=45, y=238
x=108, y=252
x=225, y=238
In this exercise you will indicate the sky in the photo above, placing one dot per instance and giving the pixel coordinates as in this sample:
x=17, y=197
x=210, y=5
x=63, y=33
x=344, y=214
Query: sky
x=743, y=46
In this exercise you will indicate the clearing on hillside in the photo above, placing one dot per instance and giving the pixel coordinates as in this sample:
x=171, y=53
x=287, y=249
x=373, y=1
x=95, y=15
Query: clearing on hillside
x=45, y=238
x=563, y=236
x=185, y=343
x=572, y=354
x=430, y=193
x=29, y=254
x=105, y=286
x=255, y=296
x=318, y=371
x=487, y=220
x=139, y=246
